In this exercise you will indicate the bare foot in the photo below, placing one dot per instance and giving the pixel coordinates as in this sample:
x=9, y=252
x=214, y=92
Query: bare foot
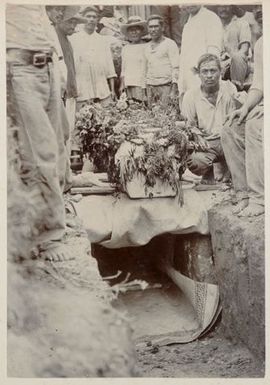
x=240, y=206
x=59, y=253
x=252, y=210
x=71, y=222
x=226, y=178
x=224, y=187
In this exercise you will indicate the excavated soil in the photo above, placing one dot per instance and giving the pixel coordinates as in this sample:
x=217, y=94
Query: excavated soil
x=211, y=356
x=234, y=347
x=63, y=351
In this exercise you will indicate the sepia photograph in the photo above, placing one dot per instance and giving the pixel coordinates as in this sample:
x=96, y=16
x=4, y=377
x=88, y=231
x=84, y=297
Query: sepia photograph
x=135, y=190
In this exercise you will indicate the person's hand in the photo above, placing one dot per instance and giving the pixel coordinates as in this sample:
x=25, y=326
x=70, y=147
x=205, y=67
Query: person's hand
x=113, y=95
x=144, y=95
x=172, y=96
x=224, y=56
x=121, y=88
x=64, y=95
x=225, y=62
x=241, y=114
x=259, y=114
x=243, y=53
x=201, y=144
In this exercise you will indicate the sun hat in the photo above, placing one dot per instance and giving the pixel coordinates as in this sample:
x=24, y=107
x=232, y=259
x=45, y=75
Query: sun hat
x=89, y=8
x=134, y=21
x=71, y=12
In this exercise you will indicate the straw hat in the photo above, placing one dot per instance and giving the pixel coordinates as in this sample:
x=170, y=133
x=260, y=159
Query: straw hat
x=89, y=8
x=134, y=21
x=71, y=12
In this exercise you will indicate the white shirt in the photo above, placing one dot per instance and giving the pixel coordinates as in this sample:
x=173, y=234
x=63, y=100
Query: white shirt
x=162, y=62
x=258, y=66
x=133, y=65
x=236, y=33
x=204, y=115
x=255, y=28
x=25, y=27
x=202, y=34
x=93, y=65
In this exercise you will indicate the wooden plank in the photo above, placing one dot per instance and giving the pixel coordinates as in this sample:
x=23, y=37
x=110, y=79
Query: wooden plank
x=92, y=190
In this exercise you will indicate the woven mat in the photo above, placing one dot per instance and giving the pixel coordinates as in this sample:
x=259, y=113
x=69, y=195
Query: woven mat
x=204, y=298
x=179, y=312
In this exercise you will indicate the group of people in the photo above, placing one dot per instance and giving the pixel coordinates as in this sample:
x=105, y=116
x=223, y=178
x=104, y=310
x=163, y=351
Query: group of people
x=152, y=69
x=57, y=61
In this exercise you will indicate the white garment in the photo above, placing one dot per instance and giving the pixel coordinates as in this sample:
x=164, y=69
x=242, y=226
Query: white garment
x=71, y=111
x=162, y=62
x=93, y=65
x=203, y=33
x=236, y=33
x=256, y=29
x=25, y=27
x=258, y=66
x=133, y=65
x=204, y=115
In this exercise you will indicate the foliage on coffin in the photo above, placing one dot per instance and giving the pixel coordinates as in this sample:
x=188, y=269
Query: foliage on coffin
x=160, y=157
x=103, y=130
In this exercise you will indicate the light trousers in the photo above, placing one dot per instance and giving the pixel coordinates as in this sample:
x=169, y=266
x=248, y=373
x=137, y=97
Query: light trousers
x=71, y=112
x=201, y=163
x=43, y=133
x=243, y=149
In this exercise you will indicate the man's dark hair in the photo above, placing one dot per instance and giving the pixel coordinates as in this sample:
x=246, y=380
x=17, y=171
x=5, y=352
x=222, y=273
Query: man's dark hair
x=206, y=58
x=156, y=17
x=50, y=7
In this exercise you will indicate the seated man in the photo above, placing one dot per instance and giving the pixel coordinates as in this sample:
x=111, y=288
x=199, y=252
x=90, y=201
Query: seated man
x=236, y=42
x=205, y=108
x=242, y=141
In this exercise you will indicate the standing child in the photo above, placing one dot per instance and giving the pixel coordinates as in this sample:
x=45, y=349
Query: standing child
x=133, y=59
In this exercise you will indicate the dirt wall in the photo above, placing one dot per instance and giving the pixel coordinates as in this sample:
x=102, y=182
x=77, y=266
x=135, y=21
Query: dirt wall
x=238, y=246
x=58, y=330
x=60, y=320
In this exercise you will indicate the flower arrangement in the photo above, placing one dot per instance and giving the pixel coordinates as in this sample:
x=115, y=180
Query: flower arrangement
x=157, y=147
x=161, y=157
x=101, y=131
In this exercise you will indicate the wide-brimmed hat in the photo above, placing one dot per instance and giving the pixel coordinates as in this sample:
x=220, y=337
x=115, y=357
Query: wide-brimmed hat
x=89, y=8
x=71, y=12
x=134, y=21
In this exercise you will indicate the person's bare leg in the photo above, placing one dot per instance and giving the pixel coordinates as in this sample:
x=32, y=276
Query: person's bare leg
x=255, y=165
